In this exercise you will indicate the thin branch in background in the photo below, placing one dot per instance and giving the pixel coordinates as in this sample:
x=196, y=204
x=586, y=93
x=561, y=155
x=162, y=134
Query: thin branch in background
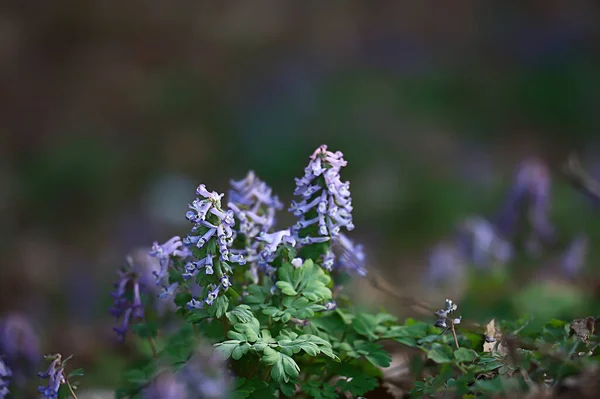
x=580, y=179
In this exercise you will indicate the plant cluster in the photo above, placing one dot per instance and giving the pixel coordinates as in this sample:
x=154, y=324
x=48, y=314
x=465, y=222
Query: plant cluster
x=238, y=308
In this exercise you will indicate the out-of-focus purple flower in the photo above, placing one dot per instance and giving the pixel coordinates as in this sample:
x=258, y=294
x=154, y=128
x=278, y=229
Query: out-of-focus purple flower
x=254, y=207
x=351, y=259
x=530, y=193
x=480, y=243
x=5, y=375
x=445, y=264
x=127, y=300
x=166, y=386
x=55, y=376
x=205, y=375
x=326, y=206
x=20, y=346
x=573, y=259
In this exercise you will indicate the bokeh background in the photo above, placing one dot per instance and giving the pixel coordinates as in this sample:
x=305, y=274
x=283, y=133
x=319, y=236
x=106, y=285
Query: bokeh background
x=111, y=113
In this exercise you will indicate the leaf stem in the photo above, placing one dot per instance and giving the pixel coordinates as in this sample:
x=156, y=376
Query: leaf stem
x=454, y=334
x=69, y=386
x=153, y=347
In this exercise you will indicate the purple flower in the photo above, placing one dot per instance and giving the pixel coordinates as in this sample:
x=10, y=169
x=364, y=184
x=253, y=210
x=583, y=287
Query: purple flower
x=272, y=241
x=480, y=243
x=445, y=264
x=528, y=197
x=127, y=301
x=325, y=207
x=173, y=247
x=55, y=376
x=574, y=257
x=351, y=259
x=254, y=206
x=20, y=346
x=5, y=375
x=205, y=376
x=166, y=386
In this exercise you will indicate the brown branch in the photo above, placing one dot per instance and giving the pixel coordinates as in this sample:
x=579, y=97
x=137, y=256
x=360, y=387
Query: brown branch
x=573, y=171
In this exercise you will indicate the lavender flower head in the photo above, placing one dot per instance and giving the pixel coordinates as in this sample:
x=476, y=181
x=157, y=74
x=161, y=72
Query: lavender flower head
x=254, y=207
x=55, y=376
x=5, y=375
x=210, y=241
x=326, y=206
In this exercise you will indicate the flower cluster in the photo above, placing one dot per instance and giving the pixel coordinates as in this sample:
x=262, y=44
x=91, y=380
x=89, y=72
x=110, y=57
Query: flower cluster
x=444, y=315
x=210, y=241
x=55, y=375
x=5, y=375
x=254, y=207
x=326, y=202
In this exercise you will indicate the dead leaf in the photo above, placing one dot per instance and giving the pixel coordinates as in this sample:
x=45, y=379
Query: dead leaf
x=493, y=339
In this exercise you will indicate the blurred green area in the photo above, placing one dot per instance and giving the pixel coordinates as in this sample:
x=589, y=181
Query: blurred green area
x=106, y=108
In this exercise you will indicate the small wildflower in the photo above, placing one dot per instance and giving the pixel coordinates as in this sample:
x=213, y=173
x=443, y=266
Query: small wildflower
x=330, y=305
x=297, y=262
x=55, y=376
x=443, y=315
x=173, y=247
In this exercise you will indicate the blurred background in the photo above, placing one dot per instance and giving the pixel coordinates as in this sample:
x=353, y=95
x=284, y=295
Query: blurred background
x=111, y=113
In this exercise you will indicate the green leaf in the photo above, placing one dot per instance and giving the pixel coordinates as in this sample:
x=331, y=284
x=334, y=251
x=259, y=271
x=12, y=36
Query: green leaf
x=240, y=351
x=226, y=348
x=374, y=353
x=220, y=306
x=288, y=389
x=240, y=314
x=286, y=288
x=251, y=330
x=255, y=296
x=465, y=355
x=365, y=324
x=197, y=315
x=440, y=353
x=284, y=367
x=75, y=373
x=145, y=330
x=358, y=384
x=270, y=356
